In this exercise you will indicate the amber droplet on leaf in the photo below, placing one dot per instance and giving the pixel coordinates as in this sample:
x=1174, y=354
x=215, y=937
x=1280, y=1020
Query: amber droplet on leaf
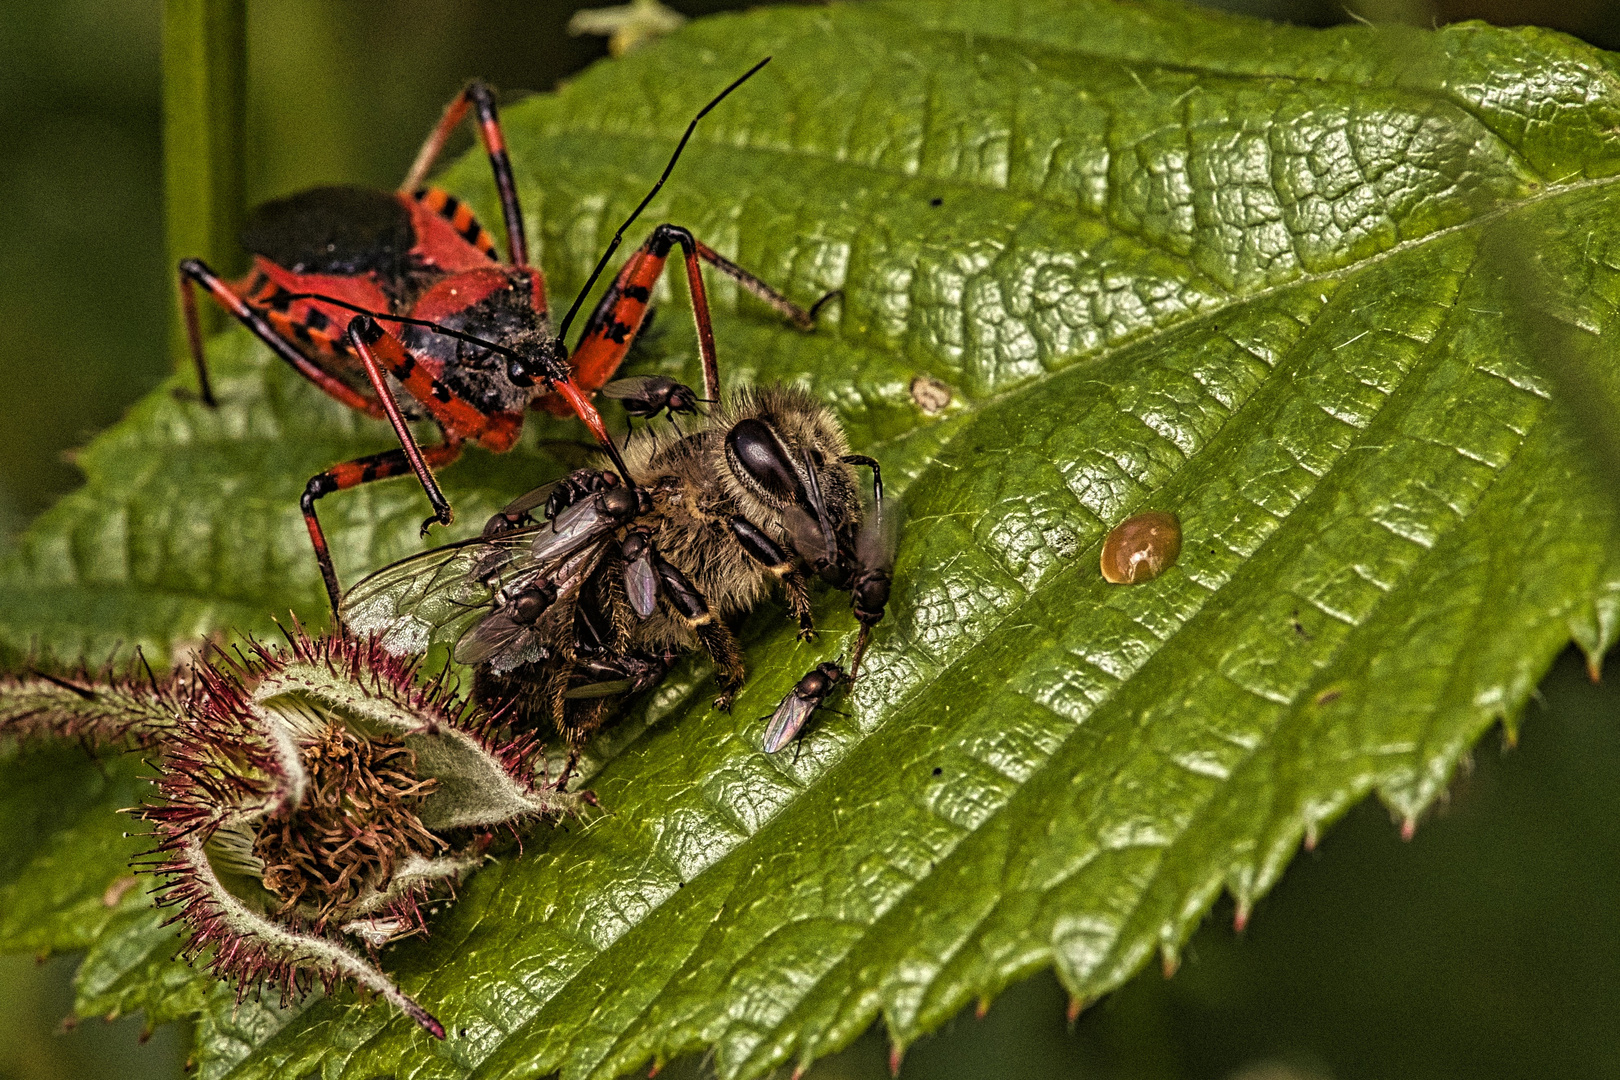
x=1141, y=548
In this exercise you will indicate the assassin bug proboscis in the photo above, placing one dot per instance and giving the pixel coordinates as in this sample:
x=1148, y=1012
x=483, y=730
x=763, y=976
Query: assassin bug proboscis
x=397, y=305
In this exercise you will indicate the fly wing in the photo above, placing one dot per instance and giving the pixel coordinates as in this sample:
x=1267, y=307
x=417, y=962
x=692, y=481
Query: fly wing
x=638, y=386
x=498, y=634
x=430, y=597
x=571, y=530
x=504, y=643
x=641, y=585
x=520, y=506
x=786, y=721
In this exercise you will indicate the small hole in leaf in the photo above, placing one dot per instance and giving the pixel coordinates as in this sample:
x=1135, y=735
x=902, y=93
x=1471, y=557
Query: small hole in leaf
x=936, y=201
x=938, y=770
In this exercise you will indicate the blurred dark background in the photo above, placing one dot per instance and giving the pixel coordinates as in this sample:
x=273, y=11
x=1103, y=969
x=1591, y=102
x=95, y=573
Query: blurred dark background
x=1487, y=947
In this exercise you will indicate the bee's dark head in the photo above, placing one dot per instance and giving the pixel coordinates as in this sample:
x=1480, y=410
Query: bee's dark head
x=782, y=450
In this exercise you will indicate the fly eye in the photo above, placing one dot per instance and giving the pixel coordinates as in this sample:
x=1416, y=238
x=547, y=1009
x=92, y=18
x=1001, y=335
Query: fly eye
x=754, y=447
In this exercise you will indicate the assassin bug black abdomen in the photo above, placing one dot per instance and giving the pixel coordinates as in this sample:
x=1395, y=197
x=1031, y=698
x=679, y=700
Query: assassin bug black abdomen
x=397, y=305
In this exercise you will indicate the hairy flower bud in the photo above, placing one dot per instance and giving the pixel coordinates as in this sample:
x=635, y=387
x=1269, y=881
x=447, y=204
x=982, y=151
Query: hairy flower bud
x=310, y=796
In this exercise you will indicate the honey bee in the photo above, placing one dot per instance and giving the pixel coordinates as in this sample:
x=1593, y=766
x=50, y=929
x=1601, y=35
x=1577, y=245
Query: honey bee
x=598, y=596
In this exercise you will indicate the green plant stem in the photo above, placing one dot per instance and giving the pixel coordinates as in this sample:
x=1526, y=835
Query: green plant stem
x=204, y=113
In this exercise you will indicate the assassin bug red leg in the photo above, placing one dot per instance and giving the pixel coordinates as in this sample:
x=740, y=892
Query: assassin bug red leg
x=489, y=129
x=398, y=306
x=352, y=474
x=622, y=311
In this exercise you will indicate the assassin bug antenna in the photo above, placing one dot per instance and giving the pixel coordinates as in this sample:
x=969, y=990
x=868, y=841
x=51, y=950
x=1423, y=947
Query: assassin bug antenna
x=618, y=237
x=436, y=327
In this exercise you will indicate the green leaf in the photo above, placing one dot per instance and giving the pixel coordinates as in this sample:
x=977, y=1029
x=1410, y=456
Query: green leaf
x=1162, y=258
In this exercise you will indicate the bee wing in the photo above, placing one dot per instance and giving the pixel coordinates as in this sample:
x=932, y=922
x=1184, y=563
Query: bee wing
x=638, y=386
x=805, y=534
x=878, y=538
x=786, y=721
x=429, y=597
x=819, y=505
x=641, y=585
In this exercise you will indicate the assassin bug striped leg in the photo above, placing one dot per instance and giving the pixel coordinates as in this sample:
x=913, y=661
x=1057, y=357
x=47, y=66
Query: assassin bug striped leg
x=396, y=304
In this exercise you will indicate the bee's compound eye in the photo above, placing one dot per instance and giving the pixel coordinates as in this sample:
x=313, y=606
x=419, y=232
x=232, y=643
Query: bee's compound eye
x=754, y=447
x=1141, y=547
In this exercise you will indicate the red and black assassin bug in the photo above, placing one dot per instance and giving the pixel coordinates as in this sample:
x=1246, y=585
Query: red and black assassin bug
x=473, y=348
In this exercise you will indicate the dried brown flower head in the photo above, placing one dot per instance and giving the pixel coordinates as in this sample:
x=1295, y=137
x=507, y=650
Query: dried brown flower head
x=309, y=796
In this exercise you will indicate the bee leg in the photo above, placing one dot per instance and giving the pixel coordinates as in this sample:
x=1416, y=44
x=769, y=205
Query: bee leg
x=798, y=598
x=567, y=773
x=715, y=635
x=585, y=723
x=767, y=553
x=552, y=694
x=721, y=646
x=619, y=612
x=862, y=640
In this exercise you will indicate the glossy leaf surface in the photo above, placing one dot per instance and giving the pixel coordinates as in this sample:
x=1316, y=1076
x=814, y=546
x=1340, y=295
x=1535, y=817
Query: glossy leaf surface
x=1163, y=260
